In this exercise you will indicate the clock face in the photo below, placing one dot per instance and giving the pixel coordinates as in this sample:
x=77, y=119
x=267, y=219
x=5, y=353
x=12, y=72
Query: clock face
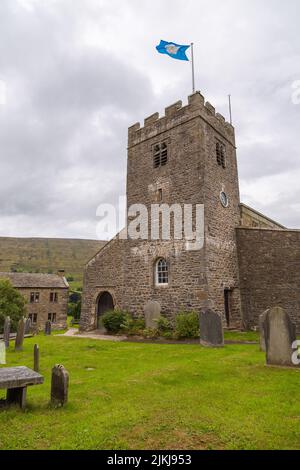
x=224, y=199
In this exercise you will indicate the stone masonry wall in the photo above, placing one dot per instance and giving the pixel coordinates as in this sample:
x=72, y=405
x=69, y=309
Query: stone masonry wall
x=104, y=273
x=269, y=262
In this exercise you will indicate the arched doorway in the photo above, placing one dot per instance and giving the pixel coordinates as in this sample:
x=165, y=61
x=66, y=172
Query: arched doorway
x=104, y=304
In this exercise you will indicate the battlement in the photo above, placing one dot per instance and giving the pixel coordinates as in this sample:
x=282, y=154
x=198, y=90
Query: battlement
x=177, y=114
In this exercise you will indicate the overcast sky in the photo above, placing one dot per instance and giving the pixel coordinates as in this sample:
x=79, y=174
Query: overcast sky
x=77, y=73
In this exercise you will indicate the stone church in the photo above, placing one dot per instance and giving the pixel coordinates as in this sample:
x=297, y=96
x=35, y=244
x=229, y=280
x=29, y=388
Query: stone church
x=248, y=262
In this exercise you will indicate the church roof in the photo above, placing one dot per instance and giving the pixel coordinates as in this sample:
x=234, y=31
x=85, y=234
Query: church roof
x=36, y=280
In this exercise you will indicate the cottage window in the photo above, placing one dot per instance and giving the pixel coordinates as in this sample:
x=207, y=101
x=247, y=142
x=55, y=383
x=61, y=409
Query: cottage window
x=53, y=297
x=33, y=318
x=160, y=155
x=34, y=297
x=52, y=317
x=162, y=272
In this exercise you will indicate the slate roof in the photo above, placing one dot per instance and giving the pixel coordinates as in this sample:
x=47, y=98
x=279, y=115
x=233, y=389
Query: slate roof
x=36, y=280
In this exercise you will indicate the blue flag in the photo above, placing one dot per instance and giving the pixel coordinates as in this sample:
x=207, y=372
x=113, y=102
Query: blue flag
x=176, y=51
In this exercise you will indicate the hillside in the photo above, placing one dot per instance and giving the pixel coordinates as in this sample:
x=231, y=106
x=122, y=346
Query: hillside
x=47, y=255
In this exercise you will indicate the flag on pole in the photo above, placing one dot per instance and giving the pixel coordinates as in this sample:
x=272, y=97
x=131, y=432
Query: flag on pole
x=176, y=51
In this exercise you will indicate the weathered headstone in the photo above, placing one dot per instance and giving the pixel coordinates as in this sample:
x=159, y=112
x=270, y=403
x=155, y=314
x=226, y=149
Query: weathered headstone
x=59, y=386
x=48, y=328
x=27, y=326
x=280, y=334
x=6, y=335
x=2, y=353
x=211, y=329
x=36, y=358
x=261, y=322
x=20, y=335
x=152, y=311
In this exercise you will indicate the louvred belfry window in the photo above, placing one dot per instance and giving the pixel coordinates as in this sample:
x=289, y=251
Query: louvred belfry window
x=160, y=154
x=220, y=154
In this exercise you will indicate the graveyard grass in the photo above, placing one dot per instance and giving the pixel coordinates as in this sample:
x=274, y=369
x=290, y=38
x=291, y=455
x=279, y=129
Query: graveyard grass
x=154, y=396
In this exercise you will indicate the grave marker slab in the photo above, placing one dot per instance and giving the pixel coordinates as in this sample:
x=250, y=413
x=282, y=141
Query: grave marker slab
x=20, y=335
x=280, y=334
x=211, y=329
x=6, y=335
x=152, y=312
x=59, y=385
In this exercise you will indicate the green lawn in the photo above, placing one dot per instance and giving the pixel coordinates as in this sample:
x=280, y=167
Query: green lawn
x=146, y=396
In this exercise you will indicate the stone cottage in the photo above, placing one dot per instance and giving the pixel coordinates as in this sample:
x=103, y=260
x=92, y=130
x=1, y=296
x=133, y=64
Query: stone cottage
x=46, y=295
x=247, y=262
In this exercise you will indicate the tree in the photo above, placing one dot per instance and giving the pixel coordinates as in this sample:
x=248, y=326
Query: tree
x=12, y=304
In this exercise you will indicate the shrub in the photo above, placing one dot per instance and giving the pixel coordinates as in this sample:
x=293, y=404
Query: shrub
x=187, y=325
x=12, y=304
x=113, y=320
x=133, y=326
x=165, y=328
x=151, y=333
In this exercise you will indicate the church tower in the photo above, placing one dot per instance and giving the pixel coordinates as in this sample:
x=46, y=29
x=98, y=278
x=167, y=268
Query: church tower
x=188, y=156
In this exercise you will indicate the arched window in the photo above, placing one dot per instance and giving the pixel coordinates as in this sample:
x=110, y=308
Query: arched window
x=161, y=272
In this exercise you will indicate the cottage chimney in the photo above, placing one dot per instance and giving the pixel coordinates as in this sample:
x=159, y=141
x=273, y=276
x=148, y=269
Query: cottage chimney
x=61, y=272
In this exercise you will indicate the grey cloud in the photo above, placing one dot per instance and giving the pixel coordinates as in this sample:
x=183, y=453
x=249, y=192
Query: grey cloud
x=63, y=132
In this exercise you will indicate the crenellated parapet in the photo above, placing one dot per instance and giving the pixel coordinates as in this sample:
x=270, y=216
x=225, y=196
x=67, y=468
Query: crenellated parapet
x=177, y=114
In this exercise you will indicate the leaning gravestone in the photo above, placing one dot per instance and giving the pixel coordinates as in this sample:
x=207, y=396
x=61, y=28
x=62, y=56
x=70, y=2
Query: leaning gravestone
x=27, y=326
x=6, y=335
x=211, y=329
x=36, y=358
x=20, y=335
x=59, y=386
x=152, y=311
x=48, y=328
x=280, y=334
x=261, y=322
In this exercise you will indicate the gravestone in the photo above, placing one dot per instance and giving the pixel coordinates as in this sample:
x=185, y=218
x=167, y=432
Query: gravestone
x=36, y=358
x=20, y=335
x=261, y=322
x=280, y=334
x=211, y=329
x=27, y=326
x=2, y=353
x=152, y=311
x=6, y=335
x=48, y=328
x=59, y=386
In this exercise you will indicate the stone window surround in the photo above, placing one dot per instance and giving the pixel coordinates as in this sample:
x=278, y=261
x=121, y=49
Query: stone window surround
x=34, y=297
x=33, y=318
x=156, y=283
x=53, y=298
x=52, y=317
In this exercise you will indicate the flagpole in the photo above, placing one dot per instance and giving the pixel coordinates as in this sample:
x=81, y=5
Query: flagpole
x=230, y=109
x=193, y=67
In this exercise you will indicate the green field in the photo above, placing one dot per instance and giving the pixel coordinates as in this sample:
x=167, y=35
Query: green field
x=151, y=396
x=47, y=255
